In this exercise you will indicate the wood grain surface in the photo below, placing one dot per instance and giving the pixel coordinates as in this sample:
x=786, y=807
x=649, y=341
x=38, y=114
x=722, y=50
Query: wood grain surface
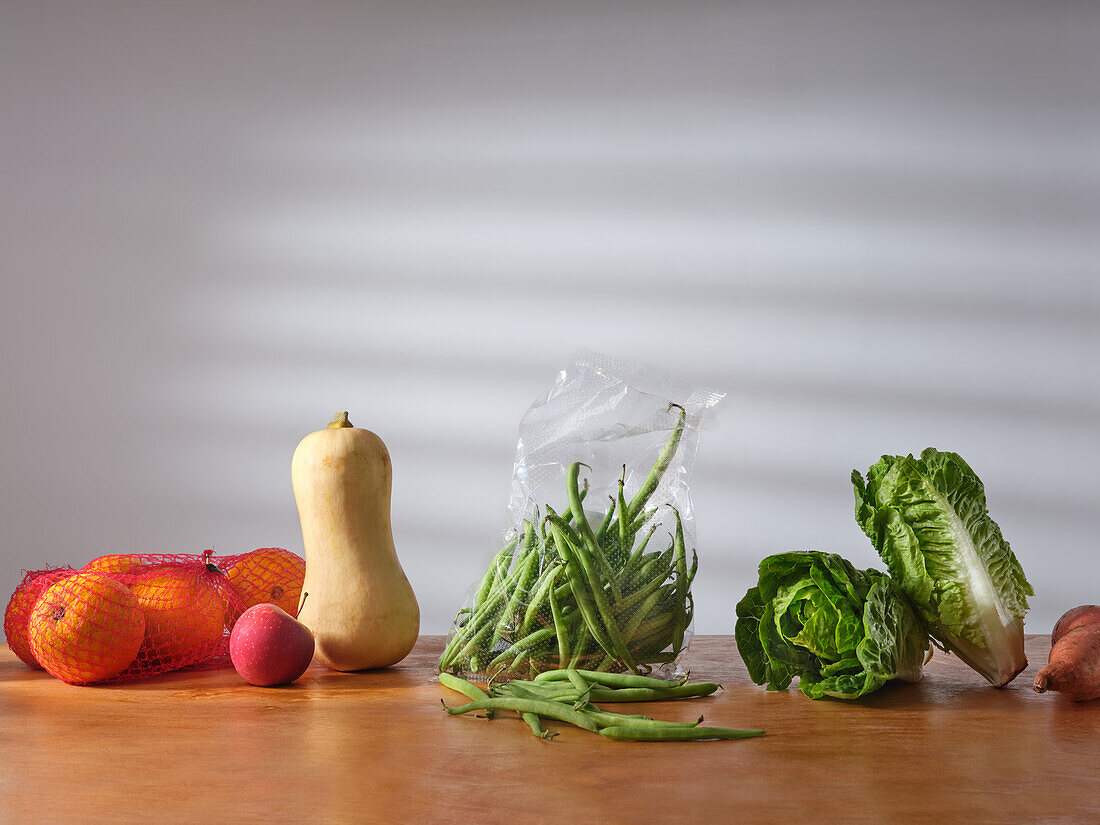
x=376, y=747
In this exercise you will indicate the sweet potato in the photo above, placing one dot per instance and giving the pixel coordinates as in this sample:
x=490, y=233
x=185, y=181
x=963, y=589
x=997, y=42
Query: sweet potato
x=1077, y=617
x=1073, y=668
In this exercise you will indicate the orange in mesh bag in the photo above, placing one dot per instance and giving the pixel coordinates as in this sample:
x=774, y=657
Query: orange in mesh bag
x=115, y=563
x=18, y=614
x=131, y=616
x=85, y=628
x=269, y=574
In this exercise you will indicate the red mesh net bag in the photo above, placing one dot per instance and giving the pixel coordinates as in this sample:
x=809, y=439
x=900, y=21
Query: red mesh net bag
x=132, y=616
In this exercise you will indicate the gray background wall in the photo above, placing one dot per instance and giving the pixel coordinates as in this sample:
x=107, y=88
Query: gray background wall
x=873, y=224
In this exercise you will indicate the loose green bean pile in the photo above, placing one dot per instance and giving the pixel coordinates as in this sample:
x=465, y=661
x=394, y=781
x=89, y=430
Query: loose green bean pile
x=565, y=594
x=569, y=695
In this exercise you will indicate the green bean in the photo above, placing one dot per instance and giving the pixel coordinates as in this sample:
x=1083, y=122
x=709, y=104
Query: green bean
x=586, y=656
x=544, y=691
x=645, y=516
x=610, y=720
x=528, y=571
x=560, y=629
x=661, y=566
x=573, y=571
x=608, y=519
x=523, y=645
x=636, y=556
x=662, y=658
x=611, y=680
x=452, y=643
x=580, y=642
x=618, y=646
x=642, y=594
x=608, y=662
x=533, y=721
x=606, y=719
x=542, y=707
x=538, y=597
x=524, y=689
x=567, y=516
x=560, y=675
x=483, y=627
x=649, y=486
x=686, y=691
x=494, y=570
x=584, y=529
x=631, y=630
x=569, y=696
x=624, y=516
x=469, y=649
x=471, y=691
x=578, y=681
x=640, y=733
x=680, y=562
x=655, y=625
x=648, y=659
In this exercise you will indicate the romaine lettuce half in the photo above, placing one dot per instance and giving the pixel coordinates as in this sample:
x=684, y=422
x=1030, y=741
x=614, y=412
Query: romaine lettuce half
x=844, y=632
x=928, y=520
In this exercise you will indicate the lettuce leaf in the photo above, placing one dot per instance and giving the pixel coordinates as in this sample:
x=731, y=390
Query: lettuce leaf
x=844, y=632
x=928, y=520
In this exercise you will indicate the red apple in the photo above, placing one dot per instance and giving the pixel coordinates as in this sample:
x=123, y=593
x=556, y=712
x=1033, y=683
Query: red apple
x=268, y=646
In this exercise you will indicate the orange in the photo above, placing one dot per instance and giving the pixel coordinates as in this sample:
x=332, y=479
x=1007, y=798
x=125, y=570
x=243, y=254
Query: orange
x=184, y=615
x=86, y=628
x=18, y=613
x=269, y=574
x=115, y=563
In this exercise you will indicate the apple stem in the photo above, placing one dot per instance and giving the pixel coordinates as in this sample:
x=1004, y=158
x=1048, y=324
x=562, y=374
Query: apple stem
x=301, y=602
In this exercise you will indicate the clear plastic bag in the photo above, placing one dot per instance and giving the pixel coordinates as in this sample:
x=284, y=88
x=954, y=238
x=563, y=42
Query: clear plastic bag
x=598, y=559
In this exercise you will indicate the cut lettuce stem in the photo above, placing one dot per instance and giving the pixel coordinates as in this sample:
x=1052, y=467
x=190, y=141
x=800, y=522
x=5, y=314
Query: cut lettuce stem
x=1003, y=660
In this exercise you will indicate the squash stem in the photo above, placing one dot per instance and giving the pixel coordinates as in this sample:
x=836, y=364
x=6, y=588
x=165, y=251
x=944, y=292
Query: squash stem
x=339, y=421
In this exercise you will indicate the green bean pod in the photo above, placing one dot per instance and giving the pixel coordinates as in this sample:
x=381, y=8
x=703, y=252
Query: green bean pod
x=648, y=733
x=609, y=720
x=611, y=680
x=542, y=707
x=522, y=646
x=649, y=486
x=687, y=691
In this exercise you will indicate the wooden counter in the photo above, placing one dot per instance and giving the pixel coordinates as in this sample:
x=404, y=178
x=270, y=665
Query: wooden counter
x=203, y=747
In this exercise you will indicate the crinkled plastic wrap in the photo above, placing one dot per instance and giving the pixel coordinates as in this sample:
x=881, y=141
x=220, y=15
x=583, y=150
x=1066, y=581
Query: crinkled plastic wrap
x=599, y=553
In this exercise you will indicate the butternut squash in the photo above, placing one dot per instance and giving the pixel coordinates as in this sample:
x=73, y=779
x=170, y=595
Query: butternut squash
x=360, y=606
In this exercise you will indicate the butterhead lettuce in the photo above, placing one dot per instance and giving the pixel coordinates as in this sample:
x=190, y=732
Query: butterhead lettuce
x=928, y=520
x=844, y=632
